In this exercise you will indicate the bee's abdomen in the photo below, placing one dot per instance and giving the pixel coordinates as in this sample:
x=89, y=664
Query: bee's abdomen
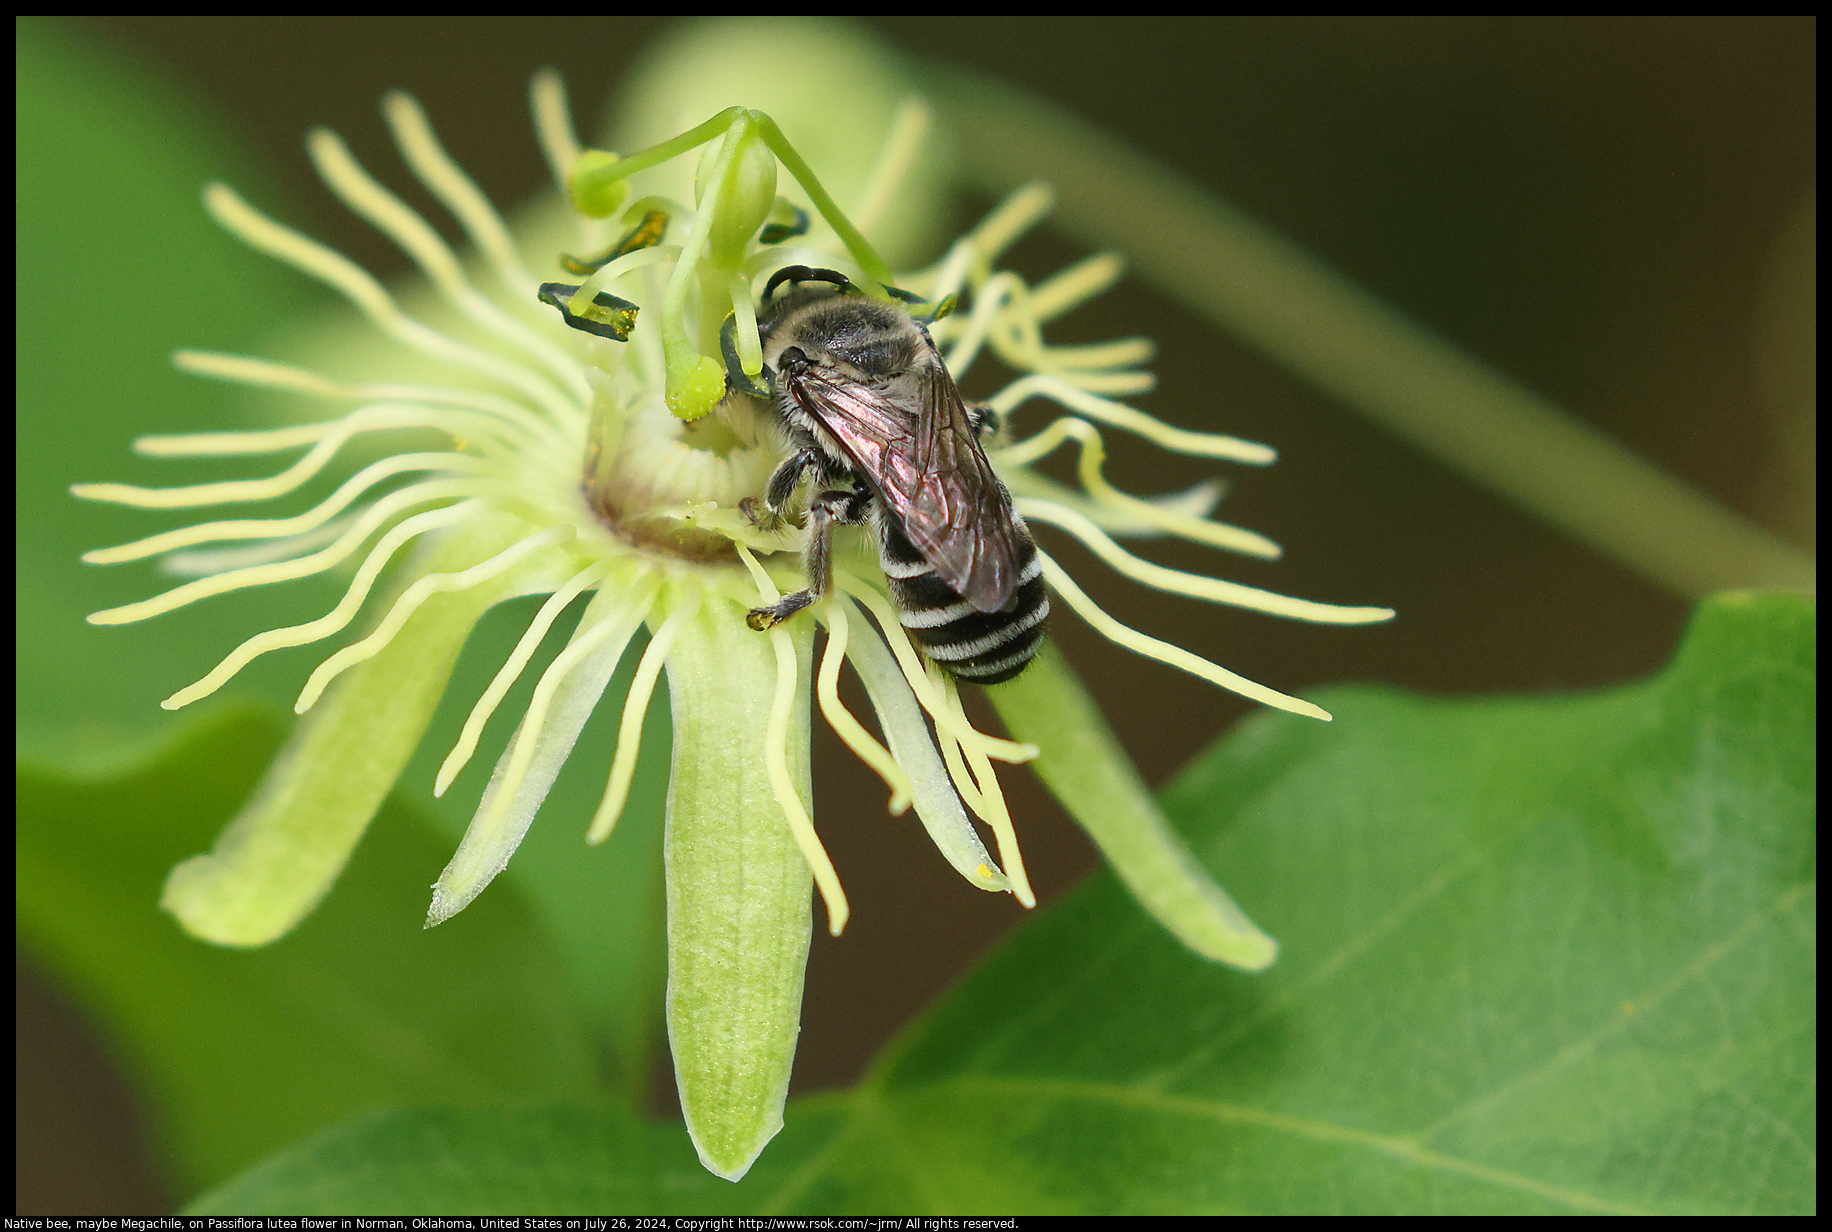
x=980, y=647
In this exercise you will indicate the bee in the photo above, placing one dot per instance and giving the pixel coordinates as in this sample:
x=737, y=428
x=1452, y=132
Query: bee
x=876, y=424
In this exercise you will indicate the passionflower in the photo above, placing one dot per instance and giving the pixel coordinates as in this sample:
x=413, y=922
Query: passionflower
x=582, y=441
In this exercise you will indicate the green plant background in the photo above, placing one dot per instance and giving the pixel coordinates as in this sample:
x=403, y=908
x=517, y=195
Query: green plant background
x=1546, y=955
x=1547, y=952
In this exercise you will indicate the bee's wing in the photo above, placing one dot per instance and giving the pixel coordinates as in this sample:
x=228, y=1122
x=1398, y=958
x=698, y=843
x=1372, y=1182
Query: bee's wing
x=963, y=521
x=926, y=464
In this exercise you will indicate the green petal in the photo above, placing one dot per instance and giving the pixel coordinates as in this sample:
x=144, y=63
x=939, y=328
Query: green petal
x=279, y=857
x=499, y=825
x=739, y=909
x=907, y=736
x=1084, y=765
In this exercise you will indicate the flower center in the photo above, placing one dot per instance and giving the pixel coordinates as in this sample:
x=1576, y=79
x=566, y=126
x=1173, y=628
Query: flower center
x=652, y=485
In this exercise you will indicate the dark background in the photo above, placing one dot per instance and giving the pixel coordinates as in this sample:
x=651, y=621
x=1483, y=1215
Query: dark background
x=1592, y=206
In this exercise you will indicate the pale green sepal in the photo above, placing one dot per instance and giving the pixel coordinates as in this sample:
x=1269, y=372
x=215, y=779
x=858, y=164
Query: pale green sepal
x=279, y=857
x=498, y=826
x=1083, y=765
x=907, y=736
x=739, y=890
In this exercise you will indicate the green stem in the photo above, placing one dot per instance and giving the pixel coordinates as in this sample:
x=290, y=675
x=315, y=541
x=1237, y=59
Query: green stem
x=601, y=177
x=1247, y=279
x=683, y=361
x=856, y=244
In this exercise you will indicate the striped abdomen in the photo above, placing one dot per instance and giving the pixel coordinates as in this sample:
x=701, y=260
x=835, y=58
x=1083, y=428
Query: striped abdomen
x=980, y=647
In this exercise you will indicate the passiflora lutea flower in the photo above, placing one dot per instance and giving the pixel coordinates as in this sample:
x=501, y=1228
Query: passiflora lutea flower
x=585, y=448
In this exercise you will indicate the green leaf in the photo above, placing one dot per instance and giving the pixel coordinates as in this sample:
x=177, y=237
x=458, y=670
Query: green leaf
x=480, y=1162
x=1539, y=954
x=1542, y=954
x=118, y=266
x=243, y=1051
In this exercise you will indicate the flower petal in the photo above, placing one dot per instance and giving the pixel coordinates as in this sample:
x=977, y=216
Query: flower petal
x=564, y=700
x=740, y=910
x=1095, y=781
x=931, y=790
x=278, y=858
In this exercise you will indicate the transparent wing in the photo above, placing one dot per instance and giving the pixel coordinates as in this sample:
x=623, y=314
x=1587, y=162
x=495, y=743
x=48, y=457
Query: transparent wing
x=966, y=525
x=926, y=464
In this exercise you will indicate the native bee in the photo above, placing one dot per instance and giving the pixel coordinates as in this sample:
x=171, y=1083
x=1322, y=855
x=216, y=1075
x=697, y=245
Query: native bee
x=875, y=422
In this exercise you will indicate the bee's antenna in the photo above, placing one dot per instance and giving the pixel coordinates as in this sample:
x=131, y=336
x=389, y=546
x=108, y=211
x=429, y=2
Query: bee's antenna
x=803, y=273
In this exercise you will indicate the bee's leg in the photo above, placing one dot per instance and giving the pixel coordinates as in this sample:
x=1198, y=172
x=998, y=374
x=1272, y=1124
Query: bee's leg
x=779, y=491
x=983, y=420
x=824, y=512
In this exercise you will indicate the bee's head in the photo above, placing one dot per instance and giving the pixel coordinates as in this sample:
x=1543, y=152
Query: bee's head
x=851, y=336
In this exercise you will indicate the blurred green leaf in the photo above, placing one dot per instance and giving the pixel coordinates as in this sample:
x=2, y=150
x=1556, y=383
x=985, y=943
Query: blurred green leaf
x=244, y=1051
x=116, y=267
x=482, y=1161
x=1539, y=954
